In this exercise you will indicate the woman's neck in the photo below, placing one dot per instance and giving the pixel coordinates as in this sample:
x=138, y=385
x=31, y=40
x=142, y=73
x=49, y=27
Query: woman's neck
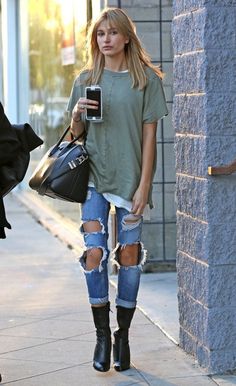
x=115, y=65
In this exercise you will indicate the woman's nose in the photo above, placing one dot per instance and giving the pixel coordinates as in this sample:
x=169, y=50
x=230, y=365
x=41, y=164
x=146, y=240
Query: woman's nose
x=107, y=37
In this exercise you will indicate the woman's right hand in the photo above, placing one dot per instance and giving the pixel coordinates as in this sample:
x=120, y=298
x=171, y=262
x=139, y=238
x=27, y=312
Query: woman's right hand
x=77, y=125
x=80, y=107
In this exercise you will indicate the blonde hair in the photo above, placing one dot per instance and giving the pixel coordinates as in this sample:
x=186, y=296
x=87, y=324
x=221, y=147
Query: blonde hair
x=136, y=57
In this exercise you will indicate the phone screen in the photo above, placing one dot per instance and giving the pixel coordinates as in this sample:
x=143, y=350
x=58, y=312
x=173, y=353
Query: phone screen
x=94, y=94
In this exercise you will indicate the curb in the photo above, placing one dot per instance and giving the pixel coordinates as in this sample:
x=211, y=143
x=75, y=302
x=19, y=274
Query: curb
x=61, y=227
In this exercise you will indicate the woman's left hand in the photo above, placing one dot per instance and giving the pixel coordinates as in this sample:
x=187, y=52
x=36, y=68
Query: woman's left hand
x=140, y=197
x=140, y=200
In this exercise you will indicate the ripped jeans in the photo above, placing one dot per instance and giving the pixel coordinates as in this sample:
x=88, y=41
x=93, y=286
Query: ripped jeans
x=96, y=208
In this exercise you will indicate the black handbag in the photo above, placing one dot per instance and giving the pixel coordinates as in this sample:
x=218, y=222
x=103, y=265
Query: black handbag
x=14, y=171
x=63, y=172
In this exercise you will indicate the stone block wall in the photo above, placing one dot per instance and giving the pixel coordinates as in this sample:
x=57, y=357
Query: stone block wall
x=204, y=118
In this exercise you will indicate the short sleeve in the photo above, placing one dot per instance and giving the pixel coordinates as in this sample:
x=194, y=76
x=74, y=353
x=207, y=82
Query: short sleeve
x=76, y=92
x=154, y=100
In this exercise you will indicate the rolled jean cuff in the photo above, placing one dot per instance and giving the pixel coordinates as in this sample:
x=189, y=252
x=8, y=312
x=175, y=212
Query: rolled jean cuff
x=125, y=303
x=95, y=301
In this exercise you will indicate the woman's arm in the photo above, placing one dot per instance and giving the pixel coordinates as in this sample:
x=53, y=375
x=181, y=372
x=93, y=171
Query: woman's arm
x=77, y=125
x=140, y=198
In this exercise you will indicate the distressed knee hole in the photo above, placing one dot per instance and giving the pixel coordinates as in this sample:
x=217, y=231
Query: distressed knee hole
x=128, y=255
x=123, y=255
x=93, y=258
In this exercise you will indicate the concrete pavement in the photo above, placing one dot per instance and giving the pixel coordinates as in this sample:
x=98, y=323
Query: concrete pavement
x=46, y=331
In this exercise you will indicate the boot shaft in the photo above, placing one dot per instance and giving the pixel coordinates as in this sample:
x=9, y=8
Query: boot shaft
x=101, y=317
x=124, y=317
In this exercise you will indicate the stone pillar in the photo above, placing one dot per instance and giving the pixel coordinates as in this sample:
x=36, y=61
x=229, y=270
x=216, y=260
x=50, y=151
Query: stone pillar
x=204, y=118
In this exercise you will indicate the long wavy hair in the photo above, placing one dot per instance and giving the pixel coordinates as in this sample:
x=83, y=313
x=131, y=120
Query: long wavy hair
x=136, y=56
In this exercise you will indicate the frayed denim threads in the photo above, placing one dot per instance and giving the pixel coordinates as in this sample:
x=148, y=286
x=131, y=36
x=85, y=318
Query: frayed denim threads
x=96, y=208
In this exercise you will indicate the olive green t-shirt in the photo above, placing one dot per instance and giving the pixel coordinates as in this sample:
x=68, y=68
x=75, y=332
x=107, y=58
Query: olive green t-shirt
x=115, y=144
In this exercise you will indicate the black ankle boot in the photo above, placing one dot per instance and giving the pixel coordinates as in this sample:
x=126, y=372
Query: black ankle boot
x=121, y=350
x=102, y=352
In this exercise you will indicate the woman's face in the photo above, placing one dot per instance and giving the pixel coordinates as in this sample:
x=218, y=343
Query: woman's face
x=110, y=41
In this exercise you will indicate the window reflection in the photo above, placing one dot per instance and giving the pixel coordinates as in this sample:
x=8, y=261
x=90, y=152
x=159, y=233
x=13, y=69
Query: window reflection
x=57, y=33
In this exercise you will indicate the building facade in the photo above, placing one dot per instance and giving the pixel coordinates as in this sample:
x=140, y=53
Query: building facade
x=204, y=118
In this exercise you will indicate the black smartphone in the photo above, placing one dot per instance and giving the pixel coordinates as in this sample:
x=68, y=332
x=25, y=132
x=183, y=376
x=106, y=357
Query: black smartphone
x=94, y=93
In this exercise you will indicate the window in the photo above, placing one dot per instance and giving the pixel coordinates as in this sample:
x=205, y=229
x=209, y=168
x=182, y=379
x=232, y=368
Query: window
x=153, y=22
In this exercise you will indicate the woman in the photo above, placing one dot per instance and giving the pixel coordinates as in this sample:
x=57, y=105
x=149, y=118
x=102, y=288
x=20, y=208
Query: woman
x=122, y=156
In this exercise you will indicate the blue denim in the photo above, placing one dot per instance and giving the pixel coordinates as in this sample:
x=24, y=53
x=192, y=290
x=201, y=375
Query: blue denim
x=96, y=208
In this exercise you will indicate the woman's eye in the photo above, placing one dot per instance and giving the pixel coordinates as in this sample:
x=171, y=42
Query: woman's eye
x=114, y=32
x=100, y=34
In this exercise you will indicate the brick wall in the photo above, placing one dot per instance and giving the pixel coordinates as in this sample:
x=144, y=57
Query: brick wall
x=204, y=118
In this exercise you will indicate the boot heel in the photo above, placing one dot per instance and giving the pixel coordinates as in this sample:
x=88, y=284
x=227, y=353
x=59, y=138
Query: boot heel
x=102, y=354
x=121, y=352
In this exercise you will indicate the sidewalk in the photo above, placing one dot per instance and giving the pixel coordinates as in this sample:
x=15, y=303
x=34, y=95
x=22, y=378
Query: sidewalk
x=46, y=331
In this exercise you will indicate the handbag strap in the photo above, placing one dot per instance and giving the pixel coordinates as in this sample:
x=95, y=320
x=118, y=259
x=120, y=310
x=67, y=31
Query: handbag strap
x=65, y=133
x=56, y=146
